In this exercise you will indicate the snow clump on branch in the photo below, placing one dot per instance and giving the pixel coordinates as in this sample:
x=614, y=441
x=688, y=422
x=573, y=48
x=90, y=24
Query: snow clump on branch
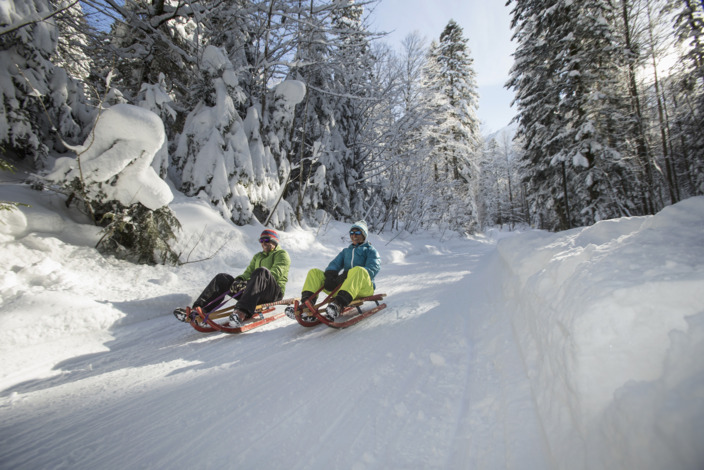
x=116, y=158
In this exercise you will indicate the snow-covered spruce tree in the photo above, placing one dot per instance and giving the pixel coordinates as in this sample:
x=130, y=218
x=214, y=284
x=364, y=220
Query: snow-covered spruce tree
x=74, y=45
x=150, y=39
x=687, y=97
x=149, y=56
x=127, y=52
x=272, y=32
x=279, y=126
x=336, y=63
x=350, y=162
x=634, y=30
x=236, y=92
x=569, y=97
x=41, y=104
x=434, y=107
x=453, y=137
x=223, y=157
x=112, y=176
x=256, y=37
x=307, y=190
x=213, y=147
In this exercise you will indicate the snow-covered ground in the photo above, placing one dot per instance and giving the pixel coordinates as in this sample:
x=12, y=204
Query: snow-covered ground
x=575, y=350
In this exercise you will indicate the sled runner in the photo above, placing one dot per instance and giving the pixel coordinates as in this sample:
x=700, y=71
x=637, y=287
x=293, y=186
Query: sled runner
x=218, y=320
x=309, y=315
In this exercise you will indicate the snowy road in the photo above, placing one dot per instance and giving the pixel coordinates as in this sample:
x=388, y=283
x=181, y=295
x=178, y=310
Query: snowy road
x=577, y=350
x=433, y=381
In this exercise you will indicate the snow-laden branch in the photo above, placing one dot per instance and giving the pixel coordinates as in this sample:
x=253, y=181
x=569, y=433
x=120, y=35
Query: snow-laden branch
x=34, y=18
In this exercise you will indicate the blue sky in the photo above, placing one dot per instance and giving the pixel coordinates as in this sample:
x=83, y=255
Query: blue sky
x=486, y=24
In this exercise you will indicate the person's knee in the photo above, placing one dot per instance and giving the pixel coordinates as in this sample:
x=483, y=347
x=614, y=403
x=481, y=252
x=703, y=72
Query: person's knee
x=262, y=271
x=315, y=276
x=358, y=272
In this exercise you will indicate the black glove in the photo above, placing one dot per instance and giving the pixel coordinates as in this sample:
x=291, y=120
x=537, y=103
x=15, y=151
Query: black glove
x=238, y=285
x=330, y=280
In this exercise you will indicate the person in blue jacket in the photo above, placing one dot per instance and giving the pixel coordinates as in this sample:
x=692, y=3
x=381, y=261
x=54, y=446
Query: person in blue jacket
x=355, y=267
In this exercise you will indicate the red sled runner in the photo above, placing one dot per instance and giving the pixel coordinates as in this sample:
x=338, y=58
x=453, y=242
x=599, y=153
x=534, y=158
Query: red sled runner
x=308, y=314
x=218, y=320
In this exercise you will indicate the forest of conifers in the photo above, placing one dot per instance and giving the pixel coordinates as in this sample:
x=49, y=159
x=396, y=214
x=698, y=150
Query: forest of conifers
x=608, y=98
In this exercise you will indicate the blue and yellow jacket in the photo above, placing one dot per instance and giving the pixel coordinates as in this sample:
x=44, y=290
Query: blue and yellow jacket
x=364, y=255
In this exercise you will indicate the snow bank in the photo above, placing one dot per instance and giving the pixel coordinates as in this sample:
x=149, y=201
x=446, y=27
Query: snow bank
x=41, y=236
x=609, y=319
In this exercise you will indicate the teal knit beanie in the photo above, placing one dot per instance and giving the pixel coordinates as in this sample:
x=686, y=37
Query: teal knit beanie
x=362, y=225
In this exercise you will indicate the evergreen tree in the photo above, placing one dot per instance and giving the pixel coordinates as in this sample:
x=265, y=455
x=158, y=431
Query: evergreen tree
x=112, y=179
x=570, y=100
x=353, y=85
x=304, y=189
x=213, y=153
x=688, y=95
x=154, y=38
x=156, y=99
x=336, y=65
x=74, y=42
x=454, y=137
x=42, y=105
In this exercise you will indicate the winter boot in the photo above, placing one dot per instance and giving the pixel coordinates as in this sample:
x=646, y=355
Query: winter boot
x=306, y=296
x=332, y=311
x=290, y=312
x=181, y=314
x=238, y=317
x=334, y=308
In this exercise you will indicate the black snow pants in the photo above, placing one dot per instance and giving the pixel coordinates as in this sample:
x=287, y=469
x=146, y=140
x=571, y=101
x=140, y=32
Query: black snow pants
x=261, y=288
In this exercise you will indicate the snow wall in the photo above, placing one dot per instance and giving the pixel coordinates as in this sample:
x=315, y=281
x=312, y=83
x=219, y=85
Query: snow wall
x=611, y=330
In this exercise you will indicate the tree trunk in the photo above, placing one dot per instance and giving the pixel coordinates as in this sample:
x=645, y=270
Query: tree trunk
x=568, y=217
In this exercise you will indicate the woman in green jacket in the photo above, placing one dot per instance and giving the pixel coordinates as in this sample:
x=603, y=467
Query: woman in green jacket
x=263, y=281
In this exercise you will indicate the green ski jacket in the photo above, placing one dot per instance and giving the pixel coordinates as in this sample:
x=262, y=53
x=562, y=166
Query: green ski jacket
x=277, y=261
